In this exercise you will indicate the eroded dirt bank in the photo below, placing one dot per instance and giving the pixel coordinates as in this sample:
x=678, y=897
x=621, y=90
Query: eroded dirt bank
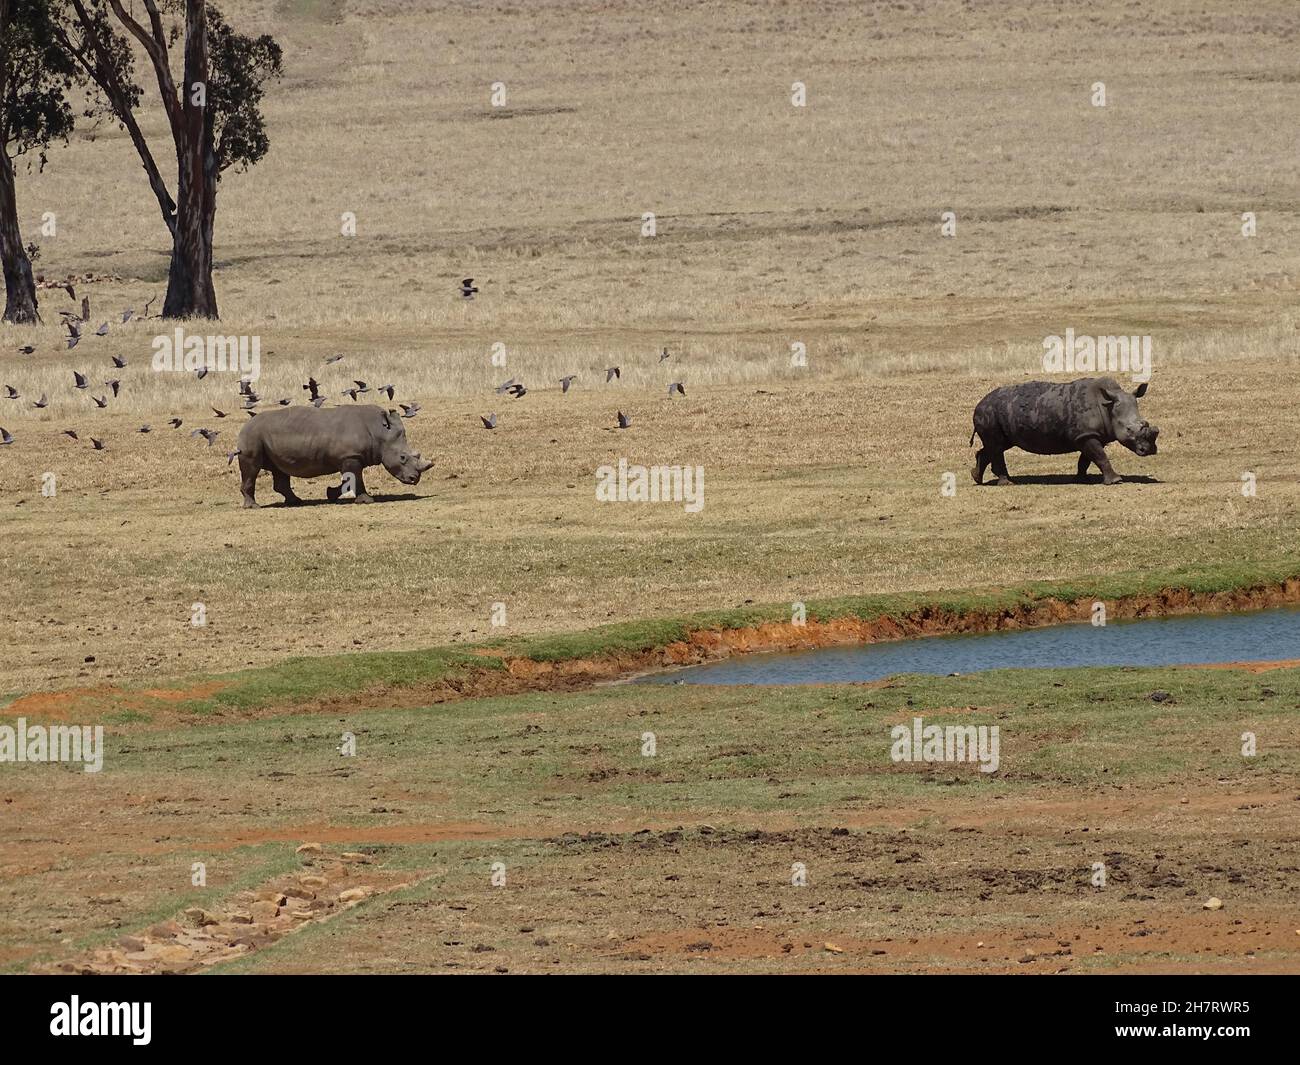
x=522, y=674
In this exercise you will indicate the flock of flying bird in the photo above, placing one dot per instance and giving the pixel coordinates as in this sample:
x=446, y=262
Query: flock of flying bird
x=249, y=399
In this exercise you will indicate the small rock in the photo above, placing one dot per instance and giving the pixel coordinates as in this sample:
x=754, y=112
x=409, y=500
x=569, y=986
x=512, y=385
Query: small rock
x=1027, y=957
x=313, y=882
x=308, y=848
x=199, y=916
x=355, y=894
x=130, y=944
x=1160, y=697
x=1213, y=903
x=240, y=917
x=832, y=948
x=264, y=911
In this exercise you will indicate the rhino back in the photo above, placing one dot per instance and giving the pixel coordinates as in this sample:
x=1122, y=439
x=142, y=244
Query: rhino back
x=1044, y=417
x=311, y=442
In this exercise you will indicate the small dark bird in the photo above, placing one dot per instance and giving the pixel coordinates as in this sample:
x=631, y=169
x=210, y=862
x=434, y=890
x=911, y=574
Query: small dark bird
x=118, y=361
x=517, y=391
x=676, y=386
x=72, y=433
x=11, y=392
x=565, y=382
x=85, y=308
x=41, y=403
x=409, y=410
x=623, y=420
x=74, y=333
x=317, y=402
x=98, y=445
x=245, y=387
x=26, y=349
x=102, y=331
x=361, y=386
x=230, y=456
x=175, y=423
x=506, y=386
x=208, y=434
x=113, y=385
x=490, y=422
x=282, y=402
x=312, y=387
x=6, y=437
x=387, y=390
x=144, y=429
x=79, y=379
x=250, y=412
x=249, y=403
x=218, y=413
x=100, y=401
x=127, y=315
x=333, y=358
x=72, y=292
x=350, y=392
x=468, y=288
x=663, y=355
x=611, y=372
x=145, y=313
x=201, y=372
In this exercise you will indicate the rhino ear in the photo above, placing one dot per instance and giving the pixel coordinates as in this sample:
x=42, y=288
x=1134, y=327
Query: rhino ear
x=1140, y=391
x=1108, y=390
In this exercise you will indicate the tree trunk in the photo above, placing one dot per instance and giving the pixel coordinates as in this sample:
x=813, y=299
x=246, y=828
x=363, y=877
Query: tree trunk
x=190, y=292
x=20, y=286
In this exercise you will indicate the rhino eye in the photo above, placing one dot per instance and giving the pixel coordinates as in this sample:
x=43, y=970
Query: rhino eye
x=403, y=458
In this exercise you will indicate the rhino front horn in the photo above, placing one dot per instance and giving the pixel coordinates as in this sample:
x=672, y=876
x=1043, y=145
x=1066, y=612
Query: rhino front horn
x=421, y=464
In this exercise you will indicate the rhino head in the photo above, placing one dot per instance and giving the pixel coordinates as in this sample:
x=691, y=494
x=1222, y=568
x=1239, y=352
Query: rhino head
x=1129, y=427
x=395, y=452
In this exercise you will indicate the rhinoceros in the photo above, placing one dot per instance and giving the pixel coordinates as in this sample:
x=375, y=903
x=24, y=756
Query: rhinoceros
x=1057, y=418
x=313, y=442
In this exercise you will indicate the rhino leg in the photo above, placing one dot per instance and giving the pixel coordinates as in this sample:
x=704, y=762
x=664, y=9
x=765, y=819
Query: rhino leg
x=249, y=467
x=1093, y=451
x=981, y=464
x=998, y=460
x=282, y=484
x=354, y=467
x=1084, y=463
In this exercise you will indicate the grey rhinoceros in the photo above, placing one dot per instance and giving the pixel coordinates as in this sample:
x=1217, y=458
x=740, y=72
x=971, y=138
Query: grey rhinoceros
x=313, y=442
x=1057, y=418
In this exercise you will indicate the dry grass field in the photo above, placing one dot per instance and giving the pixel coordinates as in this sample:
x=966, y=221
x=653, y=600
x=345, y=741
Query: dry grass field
x=776, y=226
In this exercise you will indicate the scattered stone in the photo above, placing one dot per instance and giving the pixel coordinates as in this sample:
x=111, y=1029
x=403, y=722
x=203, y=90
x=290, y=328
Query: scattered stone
x=130, y=944
x=312, y=881
x=1161, y=697
x=309, y=848
x=200, y=917
x=355, y=894
x=240, y=917
x=1213, y=903
x=264, y=910
x=832, y=948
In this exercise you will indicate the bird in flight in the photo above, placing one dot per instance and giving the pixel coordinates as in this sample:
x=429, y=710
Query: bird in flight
x=490, y=422
x=468, y=288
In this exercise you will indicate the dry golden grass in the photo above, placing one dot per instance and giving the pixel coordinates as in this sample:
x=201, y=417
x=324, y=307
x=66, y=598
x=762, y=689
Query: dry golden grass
x=776, y=225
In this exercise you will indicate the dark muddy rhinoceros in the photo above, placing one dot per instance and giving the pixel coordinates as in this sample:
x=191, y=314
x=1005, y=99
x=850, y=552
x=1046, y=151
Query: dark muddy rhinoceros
x=1055, y=419
x=313, y=442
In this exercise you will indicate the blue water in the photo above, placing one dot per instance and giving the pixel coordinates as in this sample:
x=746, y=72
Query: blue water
x=1257, y=636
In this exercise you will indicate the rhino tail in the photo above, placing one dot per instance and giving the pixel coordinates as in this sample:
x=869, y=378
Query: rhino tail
x=972, y=439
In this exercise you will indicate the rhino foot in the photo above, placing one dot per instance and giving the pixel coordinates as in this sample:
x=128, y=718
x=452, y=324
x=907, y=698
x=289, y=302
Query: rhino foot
x=1004, y=481
x=364, y=498
x=975, y=475
x=250, y=504
x=1112, y=478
